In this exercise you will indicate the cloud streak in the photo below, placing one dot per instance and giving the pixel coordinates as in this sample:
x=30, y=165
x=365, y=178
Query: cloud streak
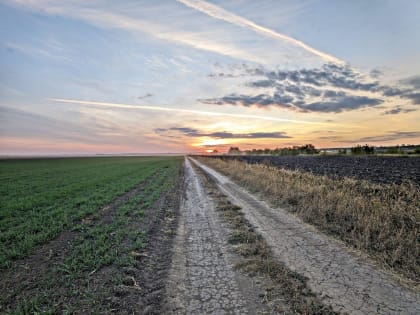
x=395, y=135
x=190, y=132
x=224, y=15
x=102, y=17
x=179, y=110
x=398, y=110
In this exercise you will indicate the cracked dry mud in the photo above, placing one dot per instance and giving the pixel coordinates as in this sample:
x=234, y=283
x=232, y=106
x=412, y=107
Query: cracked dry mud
x=345, y=279
x=202, y=279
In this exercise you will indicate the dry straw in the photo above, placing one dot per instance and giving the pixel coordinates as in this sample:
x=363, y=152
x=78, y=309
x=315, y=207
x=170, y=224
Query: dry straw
x=382, y=220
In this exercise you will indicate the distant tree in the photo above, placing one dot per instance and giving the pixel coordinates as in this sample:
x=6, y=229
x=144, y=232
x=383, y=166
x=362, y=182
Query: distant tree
x=234, y=150
x=308, y=149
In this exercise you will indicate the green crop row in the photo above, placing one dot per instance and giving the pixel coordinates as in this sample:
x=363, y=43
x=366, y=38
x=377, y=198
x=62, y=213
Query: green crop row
x=108, y=239
x=39, y=198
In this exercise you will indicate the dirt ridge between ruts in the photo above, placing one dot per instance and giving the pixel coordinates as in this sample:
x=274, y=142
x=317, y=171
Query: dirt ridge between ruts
x=346, y=281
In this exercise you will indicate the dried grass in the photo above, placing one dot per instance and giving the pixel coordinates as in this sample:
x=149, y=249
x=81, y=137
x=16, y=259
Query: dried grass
x=382, y=220
x=288, y=291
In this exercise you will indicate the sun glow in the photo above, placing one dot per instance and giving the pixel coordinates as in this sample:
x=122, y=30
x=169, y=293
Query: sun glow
x=205, y=142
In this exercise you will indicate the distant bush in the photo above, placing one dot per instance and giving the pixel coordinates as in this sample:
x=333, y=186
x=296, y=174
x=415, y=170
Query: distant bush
x=362, y=149
x=295, y=150
x=234, y=150
x=393, y=150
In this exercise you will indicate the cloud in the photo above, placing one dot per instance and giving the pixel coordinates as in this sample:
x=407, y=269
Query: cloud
x=224, y=15
x=398, y=110
x=178, y=110
x=190, y=132
x=335, y=103
x=394, y=135
x=414, y=97
x=413, y=81
x=344, y=103
x=392, y=91
x=16, y=122
x=147, y=95
x=330, y=89
x=48, y=49
x=261, y=100
x=338, y=76
x=101, y=16
x=376, y=73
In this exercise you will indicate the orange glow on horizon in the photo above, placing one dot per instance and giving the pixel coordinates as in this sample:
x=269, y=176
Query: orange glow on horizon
x=209, y=142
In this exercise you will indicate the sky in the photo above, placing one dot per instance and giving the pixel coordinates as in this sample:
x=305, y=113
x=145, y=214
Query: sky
x=132, y=76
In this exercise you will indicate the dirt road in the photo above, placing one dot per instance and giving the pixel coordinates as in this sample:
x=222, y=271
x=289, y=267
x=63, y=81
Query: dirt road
x=202, y=279
x=345, y=280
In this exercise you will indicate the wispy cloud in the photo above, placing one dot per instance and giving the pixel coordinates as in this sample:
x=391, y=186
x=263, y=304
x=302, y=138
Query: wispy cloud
x=390, y=136
x=147, y=95
x=413, y=81
x=48, y=49
x=103, y=17
x=16, y=122
x=224, y=15
x=398, y=110
x=179, y=110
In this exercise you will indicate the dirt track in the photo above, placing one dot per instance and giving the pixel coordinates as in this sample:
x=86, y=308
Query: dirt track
x=346, y=280
x=202, y=278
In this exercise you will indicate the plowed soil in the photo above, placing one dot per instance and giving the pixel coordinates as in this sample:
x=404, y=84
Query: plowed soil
x=372, y=168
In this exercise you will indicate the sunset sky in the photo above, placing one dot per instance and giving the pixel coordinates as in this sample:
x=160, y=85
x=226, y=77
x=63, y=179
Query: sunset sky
x=130, y=76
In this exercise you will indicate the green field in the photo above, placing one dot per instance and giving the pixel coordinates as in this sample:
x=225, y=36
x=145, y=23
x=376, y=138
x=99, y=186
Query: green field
x=101, y=202
x=42, y=197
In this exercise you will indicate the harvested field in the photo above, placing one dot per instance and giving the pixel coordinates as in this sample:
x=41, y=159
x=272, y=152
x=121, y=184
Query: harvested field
x=379, y=219
x=376, y=169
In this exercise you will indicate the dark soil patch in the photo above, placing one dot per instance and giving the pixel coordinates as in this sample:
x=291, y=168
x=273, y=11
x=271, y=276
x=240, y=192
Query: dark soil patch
x=387, y=170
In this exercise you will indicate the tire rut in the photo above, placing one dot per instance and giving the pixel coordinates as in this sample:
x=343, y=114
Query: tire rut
x=345, y=280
